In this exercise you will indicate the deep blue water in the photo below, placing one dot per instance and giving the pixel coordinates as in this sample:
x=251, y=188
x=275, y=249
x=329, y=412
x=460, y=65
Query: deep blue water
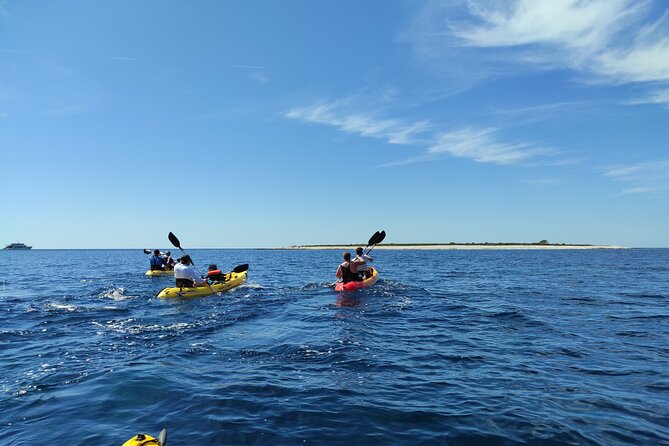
x=450, y=347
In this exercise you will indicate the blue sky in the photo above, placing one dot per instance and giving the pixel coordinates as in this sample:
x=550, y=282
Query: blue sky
x=270, y=123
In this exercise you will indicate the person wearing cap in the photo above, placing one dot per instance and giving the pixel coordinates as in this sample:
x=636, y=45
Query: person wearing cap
x=169, y=261
x=361, y=261
x=156, y=262
x=185, y=274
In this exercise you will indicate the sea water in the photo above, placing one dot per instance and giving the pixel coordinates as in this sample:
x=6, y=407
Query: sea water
x=449, y=347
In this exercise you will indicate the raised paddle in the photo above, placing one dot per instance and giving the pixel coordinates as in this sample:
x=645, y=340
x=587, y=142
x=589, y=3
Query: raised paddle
x=162, y=438
x=371, y=239
x=148, y=251
x=378, y=240
x=177, y=244
x=175, y=241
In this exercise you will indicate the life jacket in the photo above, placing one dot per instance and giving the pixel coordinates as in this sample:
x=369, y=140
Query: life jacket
x=215, y=275
x=156, y=263
x=347, y=275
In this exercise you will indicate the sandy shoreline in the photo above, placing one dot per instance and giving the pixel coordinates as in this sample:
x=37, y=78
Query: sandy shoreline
x=459, y=247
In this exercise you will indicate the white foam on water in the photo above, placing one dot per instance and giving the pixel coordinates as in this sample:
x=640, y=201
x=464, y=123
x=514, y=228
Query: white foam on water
x=115, y=294
x=57, y=307
x=127, y=327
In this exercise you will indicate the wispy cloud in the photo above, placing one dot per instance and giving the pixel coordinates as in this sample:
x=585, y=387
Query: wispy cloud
x=477, y=144
x=659, y=97
x=643, y=178
x=484, y=146
x=394, y=131
x=571, y=25
x=609, y=41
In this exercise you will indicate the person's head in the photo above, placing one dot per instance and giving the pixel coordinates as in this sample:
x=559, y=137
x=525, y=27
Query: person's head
x=156, y=252
x=358, y=251
x=212, y=267
x=347, y=256
x=168, y=254
x=186, y=260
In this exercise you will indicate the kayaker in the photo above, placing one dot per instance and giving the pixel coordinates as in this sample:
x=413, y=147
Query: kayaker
x=169, y=261
x=214, y=274
x=348, y=271
x=361, y=261
x=185, y=274
x=156, y=262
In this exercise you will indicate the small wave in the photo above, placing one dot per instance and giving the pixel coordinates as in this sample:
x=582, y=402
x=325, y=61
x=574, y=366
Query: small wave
x=255, y=286
x=115, y=294
x=642, y=317
x=633, y=334
x=644, y=295
x=53, y=306
x=608, y=372
x=128, y=327
x=662, y=386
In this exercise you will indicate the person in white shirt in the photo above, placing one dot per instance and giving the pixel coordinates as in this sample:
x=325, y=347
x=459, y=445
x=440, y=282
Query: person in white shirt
x=361, y=261
x=185, y=274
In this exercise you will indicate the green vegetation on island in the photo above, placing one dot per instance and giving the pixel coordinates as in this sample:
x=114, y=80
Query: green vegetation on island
x=539, y=243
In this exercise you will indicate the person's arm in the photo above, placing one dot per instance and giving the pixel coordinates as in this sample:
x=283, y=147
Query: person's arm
x=195, y=278
x=368, y=258
x=353, y=266
x=338, y=275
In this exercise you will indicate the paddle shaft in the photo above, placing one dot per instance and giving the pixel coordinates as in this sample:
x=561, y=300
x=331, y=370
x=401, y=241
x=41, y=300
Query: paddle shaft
x=177, y=244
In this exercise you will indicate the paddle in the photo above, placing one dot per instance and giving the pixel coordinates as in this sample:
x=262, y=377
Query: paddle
x=162, y=438
x=372, y=239
x=177, y=244
x=378, y=240
x=148, y=251
x=240, y=268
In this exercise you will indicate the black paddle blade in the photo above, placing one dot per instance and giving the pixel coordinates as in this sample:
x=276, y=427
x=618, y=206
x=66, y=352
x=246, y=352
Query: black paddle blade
x=174, y=240
x=146, y=251
x=373, y=238
x=382, y=235
x=241, y=268
x=162, y=438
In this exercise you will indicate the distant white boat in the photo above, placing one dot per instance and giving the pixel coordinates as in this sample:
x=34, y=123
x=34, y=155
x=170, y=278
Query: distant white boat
x=18, y=246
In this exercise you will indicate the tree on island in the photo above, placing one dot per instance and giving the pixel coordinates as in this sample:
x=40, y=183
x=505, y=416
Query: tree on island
x=542, y=242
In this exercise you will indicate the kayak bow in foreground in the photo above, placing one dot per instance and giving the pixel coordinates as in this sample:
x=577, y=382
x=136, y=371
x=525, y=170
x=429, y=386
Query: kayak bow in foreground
x=148, y=440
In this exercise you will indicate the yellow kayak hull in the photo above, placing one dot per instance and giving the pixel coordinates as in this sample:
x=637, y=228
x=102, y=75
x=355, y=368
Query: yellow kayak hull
x=232, y=280
x=159, y=273
x=139, y=440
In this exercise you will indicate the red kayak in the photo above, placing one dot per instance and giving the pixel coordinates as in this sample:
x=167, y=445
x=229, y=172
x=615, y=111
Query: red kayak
x=352, y=286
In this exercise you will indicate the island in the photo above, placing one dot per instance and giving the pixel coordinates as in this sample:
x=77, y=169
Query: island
x=543, y=244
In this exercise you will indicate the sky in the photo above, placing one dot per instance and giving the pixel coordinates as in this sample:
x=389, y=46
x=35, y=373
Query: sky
x=273, y=123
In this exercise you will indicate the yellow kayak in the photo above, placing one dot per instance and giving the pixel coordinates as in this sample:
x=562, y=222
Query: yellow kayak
x=232, y=279
x=148, y=440
x=159, y=272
